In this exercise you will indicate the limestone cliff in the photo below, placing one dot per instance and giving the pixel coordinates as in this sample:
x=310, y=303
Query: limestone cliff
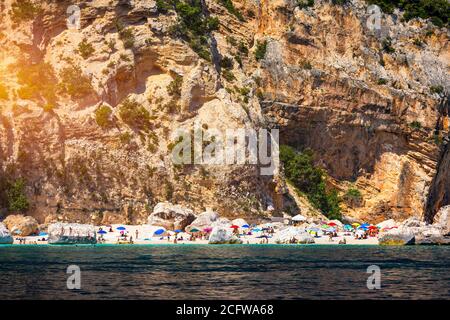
x=367, y=102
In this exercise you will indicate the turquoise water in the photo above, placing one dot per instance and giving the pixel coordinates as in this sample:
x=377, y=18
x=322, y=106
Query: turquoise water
x=224, y=272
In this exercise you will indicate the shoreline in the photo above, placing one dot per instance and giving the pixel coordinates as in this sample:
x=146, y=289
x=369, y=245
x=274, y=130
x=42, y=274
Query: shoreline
x=32, y=241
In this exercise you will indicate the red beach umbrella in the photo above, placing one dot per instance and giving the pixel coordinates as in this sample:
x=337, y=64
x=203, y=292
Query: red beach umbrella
x=234, y=226
x=332, y=224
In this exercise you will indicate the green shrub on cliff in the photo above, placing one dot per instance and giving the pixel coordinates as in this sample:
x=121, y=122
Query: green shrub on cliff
x=38, y=82
x=75, y=83
x=228, y=4
x=13, y=197
x=261, y=48
x=134, y=114
x=103, y=116
x=24, y=10
x=85, y=49
x=174, y=88
x=300, y=171
x=193, y=26
x=438, y=11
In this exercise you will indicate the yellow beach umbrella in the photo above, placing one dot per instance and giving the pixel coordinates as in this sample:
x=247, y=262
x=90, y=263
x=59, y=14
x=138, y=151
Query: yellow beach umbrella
x=355, y=224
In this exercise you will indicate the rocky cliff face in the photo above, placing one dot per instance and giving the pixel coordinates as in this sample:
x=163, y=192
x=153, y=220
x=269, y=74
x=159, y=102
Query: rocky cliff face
x=365, y=105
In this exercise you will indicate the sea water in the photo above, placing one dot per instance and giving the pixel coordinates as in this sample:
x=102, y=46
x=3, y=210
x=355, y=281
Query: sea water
x=224, y=272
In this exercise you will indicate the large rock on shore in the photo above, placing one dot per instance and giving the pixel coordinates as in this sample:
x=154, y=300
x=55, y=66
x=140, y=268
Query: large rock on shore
x=221, y=235
x=289, y=233
x=170, y=216
x=442, y=218
x=397, y=237
x=204, y=220
x=71, y=233
x=387, y=224
x=21, y=225
x=5, y=236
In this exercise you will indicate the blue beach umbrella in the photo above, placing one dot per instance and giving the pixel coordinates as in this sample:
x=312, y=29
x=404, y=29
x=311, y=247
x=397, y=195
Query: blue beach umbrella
x=257, y=230
x=102, y=232
x=348, y=227
x=121, y=228
x=159, y=232
x=246, y=226
x=43, y=234
x=178, y=231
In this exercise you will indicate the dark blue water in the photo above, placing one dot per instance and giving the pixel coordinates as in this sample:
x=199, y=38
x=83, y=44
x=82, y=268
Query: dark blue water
x=224, y=272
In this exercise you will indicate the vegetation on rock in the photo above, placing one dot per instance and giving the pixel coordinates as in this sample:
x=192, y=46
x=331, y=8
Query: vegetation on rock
x=134, y=114
x=438, y=11
x=261, y=48
x=24, y=10
x=174, y=88
x=75, y=83
x=228, y=4
x=308, y=179
x=12, y=195
x=38, y=81
x=103, y=116
x=192, y=25
x=85, y=49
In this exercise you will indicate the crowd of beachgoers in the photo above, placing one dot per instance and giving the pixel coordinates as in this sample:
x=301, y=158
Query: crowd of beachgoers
x=294, y=232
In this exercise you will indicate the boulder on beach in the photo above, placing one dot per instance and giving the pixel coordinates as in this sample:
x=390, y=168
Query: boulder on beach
x=287, y=234
x=222, y=235
x=387, y=224
x=203, y=220
x=5, y=236
x=71, y=233
x=442, y=218
x=21, y=225
x=432, y=239
x=397, y=237
x=170, y=216
x=415, y=231
x=222, y=222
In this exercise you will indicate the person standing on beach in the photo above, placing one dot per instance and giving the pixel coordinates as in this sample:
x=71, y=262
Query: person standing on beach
x=137, y=233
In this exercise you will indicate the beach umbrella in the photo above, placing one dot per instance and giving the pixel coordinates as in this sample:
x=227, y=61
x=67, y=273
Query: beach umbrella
x=298, y=217
x=372, y=227
x=246, y=226
x=121, y=228
x=365, y=225
x=332, y=224
x=178, y=231
x=355, y=224
x=159, y=232
x=43, y=234
x=257, y=230
x=314, y=229
x=17, y=232
x=234, y=226
x=194, y=230
x=102, y=232
x=209, y=229
x=324, y=226
x=263, y=236
x=330, y=229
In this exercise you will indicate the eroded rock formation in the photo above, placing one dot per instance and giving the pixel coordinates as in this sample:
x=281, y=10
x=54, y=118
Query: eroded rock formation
x=369, y=103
